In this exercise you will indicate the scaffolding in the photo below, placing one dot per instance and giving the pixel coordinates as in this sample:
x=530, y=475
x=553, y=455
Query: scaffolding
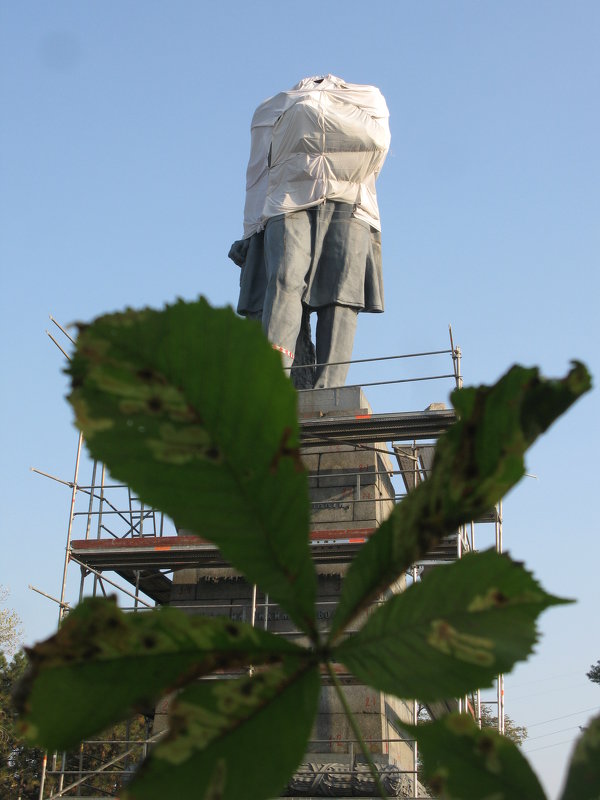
x=115, y=543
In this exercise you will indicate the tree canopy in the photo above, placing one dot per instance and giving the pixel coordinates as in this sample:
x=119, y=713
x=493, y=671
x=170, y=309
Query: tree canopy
x=594, y=673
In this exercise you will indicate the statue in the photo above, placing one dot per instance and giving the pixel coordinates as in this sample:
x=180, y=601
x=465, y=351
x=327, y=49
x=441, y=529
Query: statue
x=312, y=239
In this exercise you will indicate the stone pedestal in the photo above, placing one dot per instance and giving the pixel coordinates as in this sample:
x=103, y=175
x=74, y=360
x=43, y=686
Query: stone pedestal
x=350, y=487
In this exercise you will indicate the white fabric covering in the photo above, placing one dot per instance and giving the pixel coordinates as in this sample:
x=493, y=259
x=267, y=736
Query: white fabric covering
x=324, y=139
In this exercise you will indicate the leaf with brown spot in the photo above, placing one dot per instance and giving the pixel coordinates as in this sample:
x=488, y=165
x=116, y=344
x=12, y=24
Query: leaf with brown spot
x=583, y=778
x=462, y=762
x=102, y=664
x=287, y=451
x=190, y=407
x=476, y=462
x=448, y=634
x=221, y=730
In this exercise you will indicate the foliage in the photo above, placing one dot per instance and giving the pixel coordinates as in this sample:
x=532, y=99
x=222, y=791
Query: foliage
x=594, y=673
x=516, y=733
x=583, y=779
x=10, y=627
x=119, y=748
x=190, y=407
x=463, y=761
x=19, y=764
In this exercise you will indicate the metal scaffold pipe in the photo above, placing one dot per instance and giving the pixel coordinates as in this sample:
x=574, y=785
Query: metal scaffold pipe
x=70, y=529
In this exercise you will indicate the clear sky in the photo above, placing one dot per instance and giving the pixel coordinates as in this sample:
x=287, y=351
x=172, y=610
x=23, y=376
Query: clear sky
x=124, y=136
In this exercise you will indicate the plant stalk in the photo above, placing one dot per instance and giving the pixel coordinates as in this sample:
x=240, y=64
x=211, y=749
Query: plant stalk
x=356, y=731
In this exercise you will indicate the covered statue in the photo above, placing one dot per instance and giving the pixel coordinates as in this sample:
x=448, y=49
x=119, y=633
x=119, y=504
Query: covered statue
x=312, y=240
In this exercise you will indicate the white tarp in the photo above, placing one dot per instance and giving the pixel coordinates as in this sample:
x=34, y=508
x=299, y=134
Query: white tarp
x=324, y=139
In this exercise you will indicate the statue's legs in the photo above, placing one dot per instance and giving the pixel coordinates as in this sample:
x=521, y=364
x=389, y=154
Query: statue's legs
x=336, y=326
x=303, y=368
x=314, y=251
x=287, y=261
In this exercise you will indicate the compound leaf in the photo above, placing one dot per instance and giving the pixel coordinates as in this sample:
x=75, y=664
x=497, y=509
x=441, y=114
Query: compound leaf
x=234, y=738
x=476, y=462
x=454, y=631
x=104, y=665
x=583, y=778
x=191, y=408
x=462, y=762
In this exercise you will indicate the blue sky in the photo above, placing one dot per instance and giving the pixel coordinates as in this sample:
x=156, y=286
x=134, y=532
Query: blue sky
x=124, y=137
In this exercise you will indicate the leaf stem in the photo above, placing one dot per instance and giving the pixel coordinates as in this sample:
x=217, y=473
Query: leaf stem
x=356, y=730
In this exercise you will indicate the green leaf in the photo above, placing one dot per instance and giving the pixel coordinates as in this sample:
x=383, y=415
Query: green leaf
x=476, y=462
x=103, y=665
x=583, y=779
x=232, y=739
x=191, y=408
x=462, y=762
x=454, y=631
